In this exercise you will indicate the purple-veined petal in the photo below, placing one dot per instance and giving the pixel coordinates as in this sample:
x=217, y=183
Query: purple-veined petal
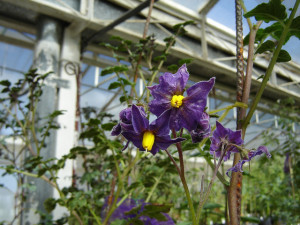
x=200, y=90
x=135, y=138
x=236, y=168
x=125, y=146
x=160, y=126
x=139, y=122
x=163, y=142
x=158, y=106
x=154, y=149
x=202, y=130
x=116, y=130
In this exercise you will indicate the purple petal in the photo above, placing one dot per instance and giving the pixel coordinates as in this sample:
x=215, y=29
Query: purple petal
x=135, y=138
x=236, y=168
x=116, y=130
x=160, y=126
x=158, y=106
x=163, y=142
x=184, y=117
x=139, y=122
x=126, y=146
x=260, y=150
x=199, y=91
x=169, y=85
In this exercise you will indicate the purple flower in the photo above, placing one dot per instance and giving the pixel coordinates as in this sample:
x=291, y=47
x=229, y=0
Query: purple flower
x=122, y=213
x=223, y=141
x=202, y=130
x=144, y=136
x=125, y=121
x=251, y=154
x=168, y=95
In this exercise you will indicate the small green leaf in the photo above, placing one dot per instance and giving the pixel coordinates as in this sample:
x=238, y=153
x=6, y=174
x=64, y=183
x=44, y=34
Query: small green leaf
x=266, y=46
x=114, y=69
x=5, y=83
x=250, y=219
x=261, y=77
x=122, y=99
x=185, y=61
x=108, y=126
x=114, y=85
x=50, y=204
x=160, y=58
x=173, y=68
x=127, y=82
x=212, y=206
x=271, y=11
x=283, y=56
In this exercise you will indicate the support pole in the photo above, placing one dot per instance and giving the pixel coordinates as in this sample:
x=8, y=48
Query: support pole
x=66, y=135
x=46, y=59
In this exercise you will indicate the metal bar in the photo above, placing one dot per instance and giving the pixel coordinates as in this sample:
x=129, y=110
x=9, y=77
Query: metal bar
x=110, y=26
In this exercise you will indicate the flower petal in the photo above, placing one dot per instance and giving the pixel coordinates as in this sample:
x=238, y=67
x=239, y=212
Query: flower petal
x=160, y=126
x=163, y=142
x=200, y=90
x=139, y=122
x=116, y=130
x=135, y=138
x=158, y=106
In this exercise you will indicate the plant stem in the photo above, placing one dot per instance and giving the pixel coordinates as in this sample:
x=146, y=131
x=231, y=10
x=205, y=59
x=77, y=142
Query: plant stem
x=186, y=188
x=157, y=180
x=120, y=183
x=202, y=201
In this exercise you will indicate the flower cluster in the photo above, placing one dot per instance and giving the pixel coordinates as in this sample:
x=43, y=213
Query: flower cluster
x=174, y=110
x=135, y=127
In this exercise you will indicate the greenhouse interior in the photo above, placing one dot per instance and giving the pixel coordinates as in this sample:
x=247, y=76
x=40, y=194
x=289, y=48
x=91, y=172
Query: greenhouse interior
x=149, y=112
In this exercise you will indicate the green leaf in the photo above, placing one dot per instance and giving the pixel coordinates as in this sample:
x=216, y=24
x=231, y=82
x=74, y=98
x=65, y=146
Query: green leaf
x=56, y=113
x=212, y=206
x=271, y=11
x=185, y=61
x=5, y=83
x=114, y=85
x=250, y=219
x=261, y=34
x=135, y=221
x=266, y=46
x=114, y=69
x=295, y=27
x=160, y=58
x=127, y=82
x=261, y=77
x=188, y=145
x=122, y=99
x=50, y=204
x=118, y=222
x=173, y=68
x=283, y=56
x=108, y=126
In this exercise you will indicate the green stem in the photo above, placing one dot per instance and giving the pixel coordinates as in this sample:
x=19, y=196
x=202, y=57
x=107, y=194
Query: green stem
x=155, y=185
x=202, y=201
x=236, y=104
x=219, y=175
x=95, y=216
x=120, y=183
x=270, y=67
x=186, y=189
